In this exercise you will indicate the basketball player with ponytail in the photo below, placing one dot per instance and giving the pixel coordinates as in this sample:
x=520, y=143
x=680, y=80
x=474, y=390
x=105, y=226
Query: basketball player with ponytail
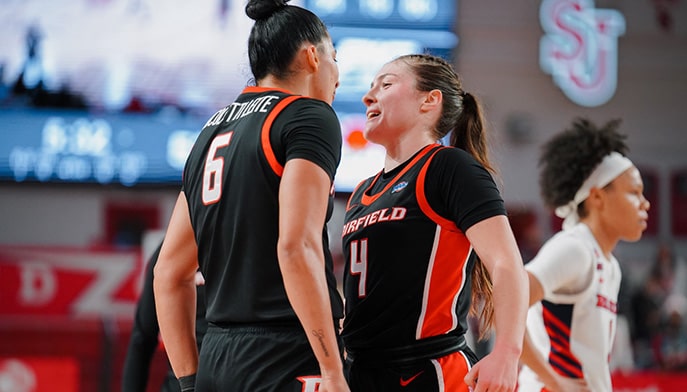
x=427, y=241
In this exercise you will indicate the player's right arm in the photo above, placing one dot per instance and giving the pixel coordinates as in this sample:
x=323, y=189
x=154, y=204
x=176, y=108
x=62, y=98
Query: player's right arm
x=174, y=285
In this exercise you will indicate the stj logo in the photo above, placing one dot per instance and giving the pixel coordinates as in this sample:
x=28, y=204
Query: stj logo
x=580, y=49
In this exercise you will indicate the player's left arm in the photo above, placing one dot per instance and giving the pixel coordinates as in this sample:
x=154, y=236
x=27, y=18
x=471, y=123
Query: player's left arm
x=494, y=243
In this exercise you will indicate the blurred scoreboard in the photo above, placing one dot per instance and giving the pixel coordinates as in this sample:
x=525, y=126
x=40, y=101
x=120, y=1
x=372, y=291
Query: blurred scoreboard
x=381, y=14
x=71, y=146
x=367, y=34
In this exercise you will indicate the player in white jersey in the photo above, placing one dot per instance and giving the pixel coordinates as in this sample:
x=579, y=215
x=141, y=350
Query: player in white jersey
x=575, y=279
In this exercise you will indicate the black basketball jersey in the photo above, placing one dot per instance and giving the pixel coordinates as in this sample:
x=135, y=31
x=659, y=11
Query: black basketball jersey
x=408, y=263
x=231, y=181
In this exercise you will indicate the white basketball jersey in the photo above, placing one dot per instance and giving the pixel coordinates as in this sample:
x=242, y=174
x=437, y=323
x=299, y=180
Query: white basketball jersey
x=574, y=330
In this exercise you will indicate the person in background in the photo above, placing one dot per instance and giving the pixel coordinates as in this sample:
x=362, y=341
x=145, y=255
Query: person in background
x=670, y=343
x=574, y=280
x=646, y=306
x=257, y=193
x=424, y=241
x=670, y=270
x=145, y=332
x=665, y=280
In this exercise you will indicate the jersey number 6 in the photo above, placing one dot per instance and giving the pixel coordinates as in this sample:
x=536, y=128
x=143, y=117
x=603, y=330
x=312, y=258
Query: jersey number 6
x=214, y=165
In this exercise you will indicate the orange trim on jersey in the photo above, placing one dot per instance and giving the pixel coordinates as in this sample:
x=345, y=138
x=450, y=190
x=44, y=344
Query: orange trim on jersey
x=453, y=367
x=350, y=198
x=367, y=200
x=447, y=276
x=444, y=282
x=277, y=167
x=258, y=89
x=422, y=198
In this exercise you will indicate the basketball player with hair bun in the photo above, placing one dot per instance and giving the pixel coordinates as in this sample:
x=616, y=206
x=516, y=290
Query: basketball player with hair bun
x=257, y=193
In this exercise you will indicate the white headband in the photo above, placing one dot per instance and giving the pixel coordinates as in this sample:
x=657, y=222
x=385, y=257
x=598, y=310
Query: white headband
x=613, y=165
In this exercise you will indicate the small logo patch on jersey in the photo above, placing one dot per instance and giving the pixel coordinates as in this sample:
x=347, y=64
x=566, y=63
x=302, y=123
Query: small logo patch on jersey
x=406, y=381
x=399, y=187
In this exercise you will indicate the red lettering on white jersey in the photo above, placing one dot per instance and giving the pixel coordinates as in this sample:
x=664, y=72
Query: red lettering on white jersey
x=605, y=303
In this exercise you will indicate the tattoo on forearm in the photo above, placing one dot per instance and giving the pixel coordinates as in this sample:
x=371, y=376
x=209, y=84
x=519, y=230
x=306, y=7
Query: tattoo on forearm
x=320, y=336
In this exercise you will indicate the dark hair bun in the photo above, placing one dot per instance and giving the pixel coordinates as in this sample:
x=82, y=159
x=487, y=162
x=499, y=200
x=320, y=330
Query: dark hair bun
x=262, y=9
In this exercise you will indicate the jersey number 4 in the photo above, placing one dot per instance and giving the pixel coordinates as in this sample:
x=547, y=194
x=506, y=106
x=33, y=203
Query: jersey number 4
x=214, y=167
x=359, y=264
